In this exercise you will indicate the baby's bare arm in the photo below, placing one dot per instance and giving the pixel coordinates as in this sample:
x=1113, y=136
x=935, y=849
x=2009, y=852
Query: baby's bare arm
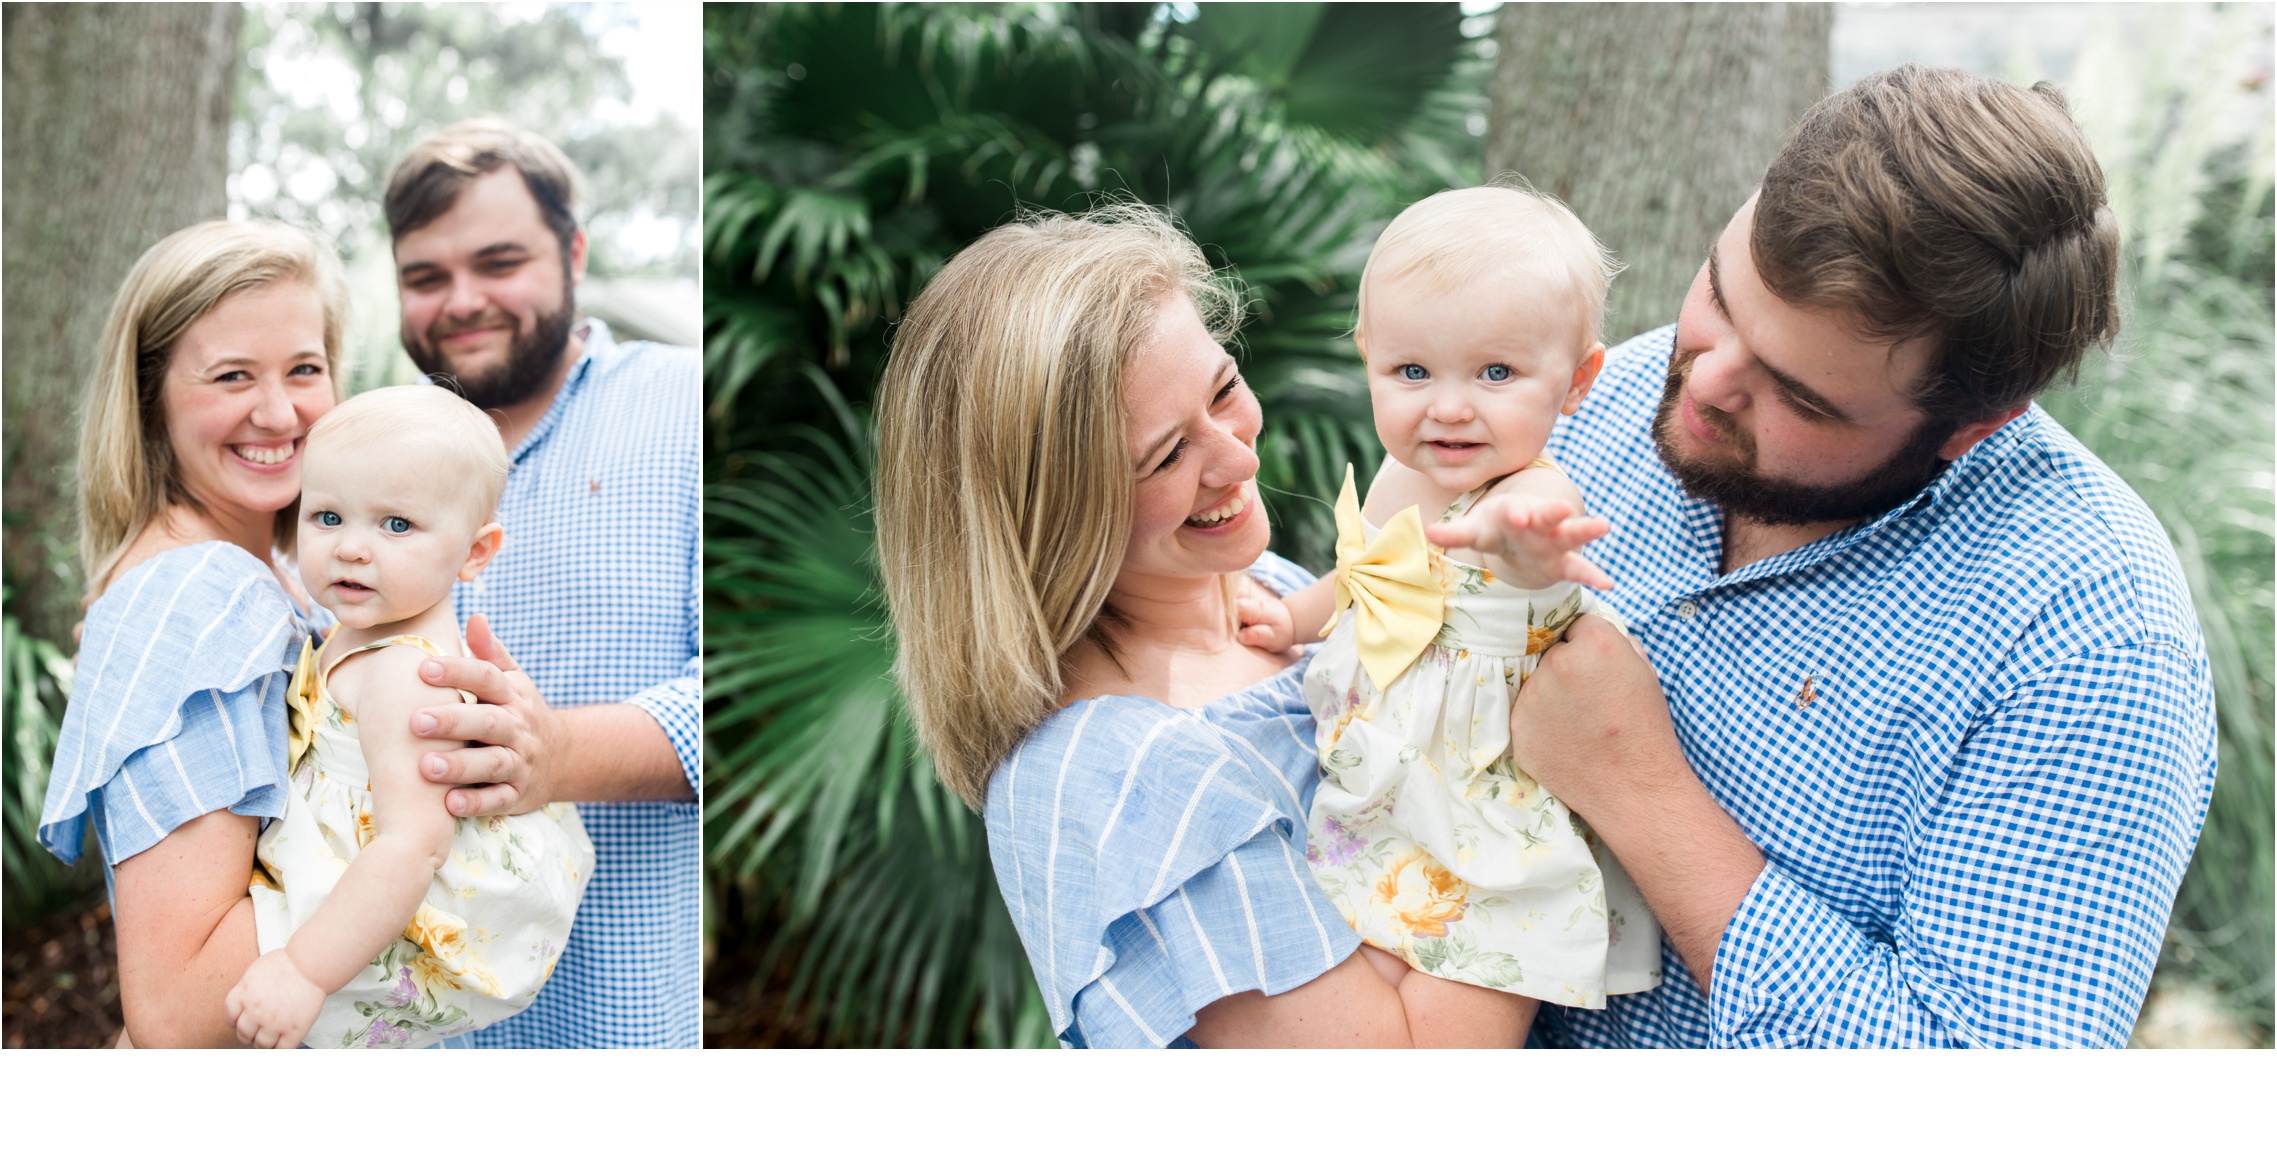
x=412, y=829
x=278, y=998
x=1530, y=529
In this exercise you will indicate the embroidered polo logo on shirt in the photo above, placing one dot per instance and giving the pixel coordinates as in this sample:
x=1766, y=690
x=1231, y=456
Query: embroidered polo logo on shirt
x=1809, y=693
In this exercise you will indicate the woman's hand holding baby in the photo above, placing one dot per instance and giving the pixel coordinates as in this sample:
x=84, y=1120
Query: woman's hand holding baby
x=1534, y=540
x=273, y=1004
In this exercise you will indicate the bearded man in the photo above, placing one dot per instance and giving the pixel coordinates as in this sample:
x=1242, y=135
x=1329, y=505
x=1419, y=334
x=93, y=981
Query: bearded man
x=1932, y=734
x=597, y=587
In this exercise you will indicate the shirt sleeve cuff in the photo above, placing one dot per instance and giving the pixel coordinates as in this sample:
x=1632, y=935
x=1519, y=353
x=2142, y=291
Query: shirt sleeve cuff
x=677, y=705
x=1783, y=956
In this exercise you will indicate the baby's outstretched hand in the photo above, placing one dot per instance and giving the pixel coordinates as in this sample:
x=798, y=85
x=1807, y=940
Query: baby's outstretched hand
x=1265, y=620
x=1537, y=538
x=273, y=1005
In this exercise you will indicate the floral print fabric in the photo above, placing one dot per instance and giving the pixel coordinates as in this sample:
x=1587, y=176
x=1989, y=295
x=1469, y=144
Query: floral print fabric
x=484, y=940
x=1438, y=848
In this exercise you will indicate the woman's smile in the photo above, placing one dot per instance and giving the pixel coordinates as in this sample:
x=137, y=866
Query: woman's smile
x=267, y=456
x=1224, y=516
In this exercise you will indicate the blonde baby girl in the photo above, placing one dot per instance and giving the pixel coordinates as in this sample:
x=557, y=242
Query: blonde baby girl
x=1479, y=318
x=383, y=921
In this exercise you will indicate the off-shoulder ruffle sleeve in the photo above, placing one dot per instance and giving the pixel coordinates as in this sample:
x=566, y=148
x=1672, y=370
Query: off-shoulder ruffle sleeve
x=178, y=705
x=1153, y=860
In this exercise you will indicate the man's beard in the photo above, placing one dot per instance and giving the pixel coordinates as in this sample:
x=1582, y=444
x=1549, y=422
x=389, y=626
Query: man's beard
x=532, y=358
x=1741, y=492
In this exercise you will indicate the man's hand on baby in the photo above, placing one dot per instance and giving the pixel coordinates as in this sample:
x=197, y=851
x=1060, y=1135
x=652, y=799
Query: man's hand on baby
x=273, y=1004
x=1265, y=622
x=1538, y=538
x=516, y=734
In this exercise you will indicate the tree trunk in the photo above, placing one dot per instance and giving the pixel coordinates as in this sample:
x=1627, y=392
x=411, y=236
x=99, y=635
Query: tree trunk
x=117, y=134
x=1653, y=122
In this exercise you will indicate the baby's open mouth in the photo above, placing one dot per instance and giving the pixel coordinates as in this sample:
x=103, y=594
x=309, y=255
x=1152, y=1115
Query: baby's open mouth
x=1220, y=513
x=349, y=585
x=256, y=454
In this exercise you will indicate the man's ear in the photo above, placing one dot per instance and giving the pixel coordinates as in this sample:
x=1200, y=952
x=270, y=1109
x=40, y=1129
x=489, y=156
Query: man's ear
x=1971, y=434
x=1584, y=375
x=487, y=540
x=577, y=257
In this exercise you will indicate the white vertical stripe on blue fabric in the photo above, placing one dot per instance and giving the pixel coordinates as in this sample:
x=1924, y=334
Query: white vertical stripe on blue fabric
x=134, y=601
x=1012, y=811
x=1185, y=820
x=135, y=793
x=1202, y=937
x=1249, y=916
x=182, y=773
x=1297, y=737
x=1287, y=788
x=1130, y=775
x=1302, y=879
x=1108, y=985
x=1051, y=853
x=1147, y=921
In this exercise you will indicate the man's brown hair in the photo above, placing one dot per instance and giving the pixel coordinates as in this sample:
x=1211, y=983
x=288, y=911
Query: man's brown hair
x=1931, y=203
x=429, y=178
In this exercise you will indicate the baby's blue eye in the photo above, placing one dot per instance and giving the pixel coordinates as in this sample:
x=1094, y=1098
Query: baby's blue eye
x=328, y=519
x=396, y=524
x=1497, y=372
x=1413, y=372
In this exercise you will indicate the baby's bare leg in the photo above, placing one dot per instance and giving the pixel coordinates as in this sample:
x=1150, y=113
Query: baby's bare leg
x=1444, y=1013
x=1391, y=967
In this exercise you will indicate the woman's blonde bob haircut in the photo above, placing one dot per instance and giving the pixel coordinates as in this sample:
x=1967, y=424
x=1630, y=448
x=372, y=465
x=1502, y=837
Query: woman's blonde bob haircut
x=1004, y=471
x=126, y=464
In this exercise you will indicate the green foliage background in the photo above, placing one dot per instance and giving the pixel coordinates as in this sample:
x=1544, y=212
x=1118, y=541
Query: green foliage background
x=849, y=150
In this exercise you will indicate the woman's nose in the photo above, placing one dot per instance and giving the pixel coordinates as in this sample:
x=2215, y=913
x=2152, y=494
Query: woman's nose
x=273, y=408
x=1234, y=456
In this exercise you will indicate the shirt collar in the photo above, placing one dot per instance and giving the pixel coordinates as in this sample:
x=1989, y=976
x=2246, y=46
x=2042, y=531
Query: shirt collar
x=600, y=346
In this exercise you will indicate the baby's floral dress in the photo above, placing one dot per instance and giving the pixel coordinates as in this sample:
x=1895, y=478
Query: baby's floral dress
x=495, y=917
x=1433, y=844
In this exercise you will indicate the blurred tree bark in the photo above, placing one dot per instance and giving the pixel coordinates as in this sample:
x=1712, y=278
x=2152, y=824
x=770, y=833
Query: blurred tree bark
x=117, y=134
x=1653, y=122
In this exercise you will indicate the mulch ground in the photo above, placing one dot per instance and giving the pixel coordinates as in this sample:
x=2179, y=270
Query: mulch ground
x=62, y=987
x=744, y=1006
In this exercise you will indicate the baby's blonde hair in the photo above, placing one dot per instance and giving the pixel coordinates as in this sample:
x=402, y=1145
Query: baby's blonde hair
x=434, y=418
x=1457, y=237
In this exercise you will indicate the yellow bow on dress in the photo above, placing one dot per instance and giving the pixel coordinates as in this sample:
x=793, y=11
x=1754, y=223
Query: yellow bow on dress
x=1393, y=583
x=300, y=706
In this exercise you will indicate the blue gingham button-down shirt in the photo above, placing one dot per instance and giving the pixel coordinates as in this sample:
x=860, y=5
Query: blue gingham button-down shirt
x=1973, y=737
x=596, y=595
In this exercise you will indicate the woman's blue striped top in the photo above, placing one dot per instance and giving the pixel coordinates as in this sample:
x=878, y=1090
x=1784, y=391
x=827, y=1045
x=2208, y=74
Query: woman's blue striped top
x=1153, y=857
x=178, y=704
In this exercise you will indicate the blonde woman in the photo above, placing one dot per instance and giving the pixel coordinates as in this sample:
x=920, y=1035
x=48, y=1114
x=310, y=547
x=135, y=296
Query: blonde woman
x=1066, y=510
x=220, y=351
